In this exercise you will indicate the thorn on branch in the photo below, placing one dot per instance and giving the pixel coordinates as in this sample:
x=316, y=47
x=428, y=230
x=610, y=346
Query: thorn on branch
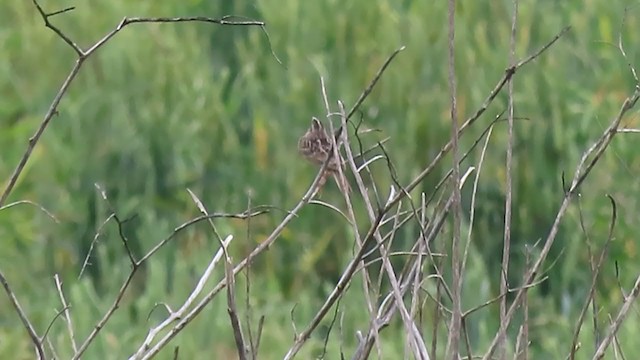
x=166, y=307
x=70, y=8
x=45, y=17
x=125, y=241
x=624, y=54
x=293, y=322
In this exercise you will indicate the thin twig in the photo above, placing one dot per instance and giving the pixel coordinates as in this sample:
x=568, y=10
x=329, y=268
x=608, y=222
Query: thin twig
x=67, y=315
x=230, y=279
x=245, y=215
x=509, y=72
x=389, y=305
x=620, y=317
x=136, y=266
x=120, y=222
x=186, y=306
x=35, y=204
x=373, y=83
x=506, y=249
x=107, y=315
x=47, y=23
x=153, y=350
x=594, y=279
x=414, y=338
x=456, y=320
x=82, y=55
x=371, y=234
x=253, y=348
x=474, y=193
x=331, y=324
x=93, y=242
x=23, y=317
x=371, y=304
x=582, y=171
x=525, y=310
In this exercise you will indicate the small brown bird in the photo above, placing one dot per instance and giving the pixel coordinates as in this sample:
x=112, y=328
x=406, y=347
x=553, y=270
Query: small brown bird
x=315, y=146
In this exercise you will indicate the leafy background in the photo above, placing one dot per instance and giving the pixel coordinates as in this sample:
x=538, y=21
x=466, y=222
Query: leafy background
x=163, y=107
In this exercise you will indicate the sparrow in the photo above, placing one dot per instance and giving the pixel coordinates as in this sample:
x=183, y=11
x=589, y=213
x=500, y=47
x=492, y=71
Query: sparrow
x=315, y=146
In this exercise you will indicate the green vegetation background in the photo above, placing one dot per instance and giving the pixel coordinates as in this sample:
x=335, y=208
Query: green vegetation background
x=163, y=107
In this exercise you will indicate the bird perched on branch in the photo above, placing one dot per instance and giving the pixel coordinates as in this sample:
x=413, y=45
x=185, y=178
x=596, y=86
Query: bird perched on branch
x=315, y=146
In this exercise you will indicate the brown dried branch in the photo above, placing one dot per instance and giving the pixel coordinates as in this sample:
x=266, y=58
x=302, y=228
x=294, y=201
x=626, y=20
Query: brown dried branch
x=506, y=249
x=120, y=222
x=622, y=314
x=372, y=307
x=388, y=307
x=509, y=72
x=82, y=55
x=107, y=315
x=67, y=315
x=136, y=265
x=414, y=338
x=36, y=205
x=231, y=281
x=185, y=320
x=85, y=263
x=373, y=231
x=373, y=83
x=594, y=278
x=456, y=320
x=259, y=210
x=525, y=316
x=174, y=316
x=253, y=344
x=47, y=23
x=23, y=317
x=583, y=169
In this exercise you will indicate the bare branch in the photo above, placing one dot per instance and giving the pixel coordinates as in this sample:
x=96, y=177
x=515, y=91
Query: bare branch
x=509, y=72
x=67, y=315
x=373, y=83
x=107, y=315
x=93, y=242
x=123, y=237
x=594, y=278
x=47, y=23
x=245, y=215
x=53, y=320
x=582, y=171
x=146, y=345
x=82, y=56
x=239, y=267
x=506, y=249
x=622, y=314
x=53, y=110
x=23, y=317
x=28, y=202
x=456, y=320
x=373, y=231
x=230, y=279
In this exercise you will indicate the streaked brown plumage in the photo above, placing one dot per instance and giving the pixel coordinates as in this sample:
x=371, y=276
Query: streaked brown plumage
x=315, y=146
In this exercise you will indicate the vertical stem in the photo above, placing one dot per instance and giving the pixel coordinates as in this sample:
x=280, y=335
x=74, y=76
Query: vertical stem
x=504, y=269
x=456, y=320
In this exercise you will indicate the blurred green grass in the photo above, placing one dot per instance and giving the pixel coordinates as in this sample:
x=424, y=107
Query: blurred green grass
x=163, y=107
